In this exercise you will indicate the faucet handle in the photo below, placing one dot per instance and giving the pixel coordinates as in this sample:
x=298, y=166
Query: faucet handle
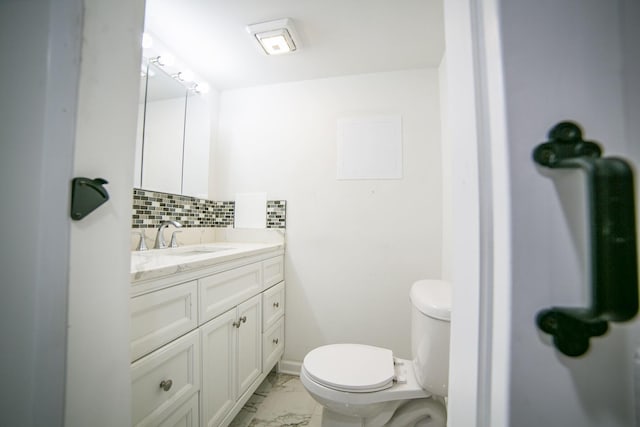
x=142, y=245
x=174, y=242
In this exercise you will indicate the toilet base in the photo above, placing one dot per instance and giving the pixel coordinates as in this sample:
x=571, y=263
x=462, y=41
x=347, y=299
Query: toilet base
x=426, y=412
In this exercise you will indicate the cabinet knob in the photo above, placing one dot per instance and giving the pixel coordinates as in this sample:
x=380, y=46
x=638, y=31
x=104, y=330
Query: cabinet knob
x=240, y=321
x=276, y=304
x=166, y=385
x=275, y=341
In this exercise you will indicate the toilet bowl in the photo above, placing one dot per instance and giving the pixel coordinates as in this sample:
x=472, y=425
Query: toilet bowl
x=366, y=386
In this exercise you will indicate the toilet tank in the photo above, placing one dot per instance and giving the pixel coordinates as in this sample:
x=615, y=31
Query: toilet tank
x=430, y=326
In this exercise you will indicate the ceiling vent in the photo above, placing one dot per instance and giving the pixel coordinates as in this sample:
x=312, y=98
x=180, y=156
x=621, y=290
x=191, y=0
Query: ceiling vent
x=275, y=37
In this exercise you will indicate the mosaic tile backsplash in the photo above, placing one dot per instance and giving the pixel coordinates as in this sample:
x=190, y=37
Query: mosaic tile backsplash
x=152, y=207
x=276, y=213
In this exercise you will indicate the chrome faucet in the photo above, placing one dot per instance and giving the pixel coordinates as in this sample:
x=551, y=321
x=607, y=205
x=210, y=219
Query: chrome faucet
x=160, y=242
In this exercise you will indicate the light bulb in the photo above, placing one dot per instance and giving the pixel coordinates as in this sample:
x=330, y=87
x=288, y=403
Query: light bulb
x=203, y=87
x=186, y=75
x=147, y=41
x=167, y=59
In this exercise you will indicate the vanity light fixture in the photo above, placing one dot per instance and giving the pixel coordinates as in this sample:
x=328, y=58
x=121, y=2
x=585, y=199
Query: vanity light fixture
x=164, y=60
x=275, y=37
x=183, y=76
x=156, y=53
x=201, y=88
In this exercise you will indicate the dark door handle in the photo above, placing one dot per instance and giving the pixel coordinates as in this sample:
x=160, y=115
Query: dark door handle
x=612, y=223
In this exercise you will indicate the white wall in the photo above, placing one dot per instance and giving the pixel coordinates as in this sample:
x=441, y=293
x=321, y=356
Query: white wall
x=98, y=363
x=353, y=247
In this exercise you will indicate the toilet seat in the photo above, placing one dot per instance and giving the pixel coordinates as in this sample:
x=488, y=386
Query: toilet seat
x=398, y=391
x=354, y=368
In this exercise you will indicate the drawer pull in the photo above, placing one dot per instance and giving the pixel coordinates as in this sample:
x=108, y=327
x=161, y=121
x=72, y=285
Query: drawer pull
x=275, y=341
x=276, y=304
x=166, y=385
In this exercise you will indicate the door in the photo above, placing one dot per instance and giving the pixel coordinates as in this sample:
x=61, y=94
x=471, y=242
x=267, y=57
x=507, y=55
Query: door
x=536, y=64
x=66, y=362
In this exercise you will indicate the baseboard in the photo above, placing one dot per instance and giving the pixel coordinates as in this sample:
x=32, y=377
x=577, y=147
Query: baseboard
x=289, y=367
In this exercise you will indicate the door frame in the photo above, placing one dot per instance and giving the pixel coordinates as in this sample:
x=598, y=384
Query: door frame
x=478, y=382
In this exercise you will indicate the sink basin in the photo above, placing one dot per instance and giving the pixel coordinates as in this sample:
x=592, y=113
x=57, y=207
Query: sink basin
x=181, y=252
x=194, y=251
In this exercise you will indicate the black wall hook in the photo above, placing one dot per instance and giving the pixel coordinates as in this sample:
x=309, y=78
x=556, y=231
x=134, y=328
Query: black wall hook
x=86, y=195
x=613, y=253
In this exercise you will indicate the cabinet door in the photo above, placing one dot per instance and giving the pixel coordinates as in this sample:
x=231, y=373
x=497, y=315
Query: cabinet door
x=165, y=379
x=249, y=342
x=187, y=415
x=218, y=367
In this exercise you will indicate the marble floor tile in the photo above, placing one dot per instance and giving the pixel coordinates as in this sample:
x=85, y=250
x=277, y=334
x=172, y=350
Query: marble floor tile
x=280, y=401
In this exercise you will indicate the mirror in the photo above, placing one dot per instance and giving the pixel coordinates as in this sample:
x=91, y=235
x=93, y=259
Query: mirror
x=172, y=145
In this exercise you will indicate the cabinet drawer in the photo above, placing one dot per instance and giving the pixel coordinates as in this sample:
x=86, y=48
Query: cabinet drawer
x=187, y=415
x=273, y=270
x=272, y=305
x=273, y=344
x=178, y=362
x=161, y=316
x=220, y=292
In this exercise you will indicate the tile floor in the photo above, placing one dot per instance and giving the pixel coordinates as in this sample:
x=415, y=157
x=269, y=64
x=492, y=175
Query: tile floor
x=280, y=401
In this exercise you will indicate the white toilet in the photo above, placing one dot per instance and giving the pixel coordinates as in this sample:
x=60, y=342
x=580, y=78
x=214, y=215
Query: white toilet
x=366, y=386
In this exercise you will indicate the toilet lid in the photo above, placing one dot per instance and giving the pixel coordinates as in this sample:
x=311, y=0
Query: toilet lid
x=351, y=367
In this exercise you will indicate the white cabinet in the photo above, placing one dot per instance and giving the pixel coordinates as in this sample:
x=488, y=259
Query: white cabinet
x=203, y=342
x=165, y=379
x=232, y=358
x=218, y=373
x=249, y=343
x=220, y=291
x=273, y=269
x=158, y=317
x=186, y=415
x=273, y=343
x=272, y=305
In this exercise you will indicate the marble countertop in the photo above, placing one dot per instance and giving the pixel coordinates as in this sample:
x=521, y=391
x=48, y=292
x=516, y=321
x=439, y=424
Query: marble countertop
x=157, y=263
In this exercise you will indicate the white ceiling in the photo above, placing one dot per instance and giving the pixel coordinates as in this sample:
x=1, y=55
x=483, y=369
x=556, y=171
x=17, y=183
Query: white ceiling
x=338, y=37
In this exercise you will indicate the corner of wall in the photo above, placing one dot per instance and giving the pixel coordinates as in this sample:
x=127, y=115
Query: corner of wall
x=447, y=202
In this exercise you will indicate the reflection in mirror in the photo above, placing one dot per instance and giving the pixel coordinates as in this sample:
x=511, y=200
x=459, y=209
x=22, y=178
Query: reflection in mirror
x=137, y=172
x=195, y=174
x=163, y=135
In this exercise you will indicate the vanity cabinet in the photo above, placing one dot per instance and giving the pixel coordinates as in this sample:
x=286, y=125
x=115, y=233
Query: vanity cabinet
x=202, y=341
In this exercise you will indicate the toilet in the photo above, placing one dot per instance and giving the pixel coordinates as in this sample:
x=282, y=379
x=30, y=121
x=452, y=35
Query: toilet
x=367, y=386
